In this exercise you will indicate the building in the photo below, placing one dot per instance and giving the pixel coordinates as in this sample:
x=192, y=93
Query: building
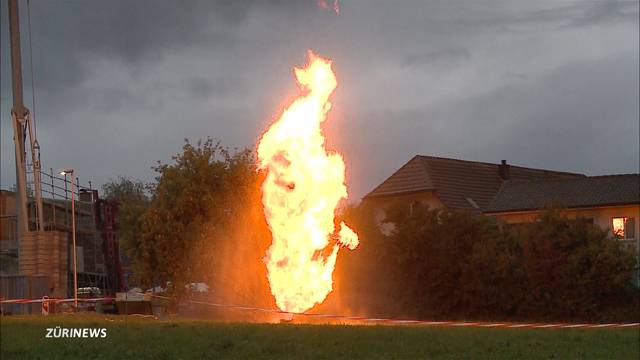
x=8, y=233
x=611, y=202
x=513, y=194
x=41, y=262
x=451, y=183
x=48, y=253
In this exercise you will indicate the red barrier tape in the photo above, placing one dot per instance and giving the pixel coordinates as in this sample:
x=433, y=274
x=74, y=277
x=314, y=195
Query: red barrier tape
x=420, y=322
x=53, y=300
x=508, y=325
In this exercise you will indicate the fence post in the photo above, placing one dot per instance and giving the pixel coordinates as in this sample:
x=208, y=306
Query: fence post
x=53, y=202
x=45, y=305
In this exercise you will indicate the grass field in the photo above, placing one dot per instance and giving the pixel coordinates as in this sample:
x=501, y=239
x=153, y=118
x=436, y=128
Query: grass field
x=24, y=338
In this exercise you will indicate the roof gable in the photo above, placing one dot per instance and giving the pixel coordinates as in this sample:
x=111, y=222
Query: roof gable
x=411, y=177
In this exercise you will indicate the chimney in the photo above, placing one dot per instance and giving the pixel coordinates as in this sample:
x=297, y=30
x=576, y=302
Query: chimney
x=503, y=170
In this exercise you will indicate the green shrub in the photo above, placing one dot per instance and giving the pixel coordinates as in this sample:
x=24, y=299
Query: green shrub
x=572, y=269
x=445, y=264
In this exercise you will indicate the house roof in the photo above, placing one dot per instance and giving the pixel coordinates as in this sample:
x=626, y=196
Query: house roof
x=572, y=193
x=456, y=181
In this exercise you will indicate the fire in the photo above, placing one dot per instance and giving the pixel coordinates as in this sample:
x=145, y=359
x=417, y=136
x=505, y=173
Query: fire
x=301, y=192
x=325, y=5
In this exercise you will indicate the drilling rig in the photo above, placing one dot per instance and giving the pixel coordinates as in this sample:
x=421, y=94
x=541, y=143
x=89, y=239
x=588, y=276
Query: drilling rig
x=22, y=127
x=42, y=226
x=42, y=253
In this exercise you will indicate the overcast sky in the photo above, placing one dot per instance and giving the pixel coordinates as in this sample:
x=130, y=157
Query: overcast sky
x=120, y=84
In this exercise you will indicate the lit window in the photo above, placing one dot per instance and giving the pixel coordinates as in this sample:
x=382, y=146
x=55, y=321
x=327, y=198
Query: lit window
x=618, y=228
x=623, y=228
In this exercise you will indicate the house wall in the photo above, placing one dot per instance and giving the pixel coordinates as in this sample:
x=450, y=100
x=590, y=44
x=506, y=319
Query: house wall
x=423, y=198
x=378, y=205
x=602, y=216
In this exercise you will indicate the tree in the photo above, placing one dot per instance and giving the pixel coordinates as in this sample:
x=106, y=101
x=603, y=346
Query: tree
x=200, y=203
x=447, y=264
x=132, y=201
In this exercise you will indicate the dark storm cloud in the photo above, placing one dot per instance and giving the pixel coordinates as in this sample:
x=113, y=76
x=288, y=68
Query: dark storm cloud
x=200, y=87
x=576, y=117
x=113, y=100
x=121, y=83
x=139, y=30
x=130, y=30
x=556, y=14
x=600, y=12
x=134, y=32
x=446, y=55
x=514, y=75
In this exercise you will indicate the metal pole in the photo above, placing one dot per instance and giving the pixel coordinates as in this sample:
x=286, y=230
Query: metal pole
x=66, y=203
x=19, y=113
x=35, y=161
x=53, y=202
x=22, y=123
x=22, y=221
x=16, y=59
x=73, y=236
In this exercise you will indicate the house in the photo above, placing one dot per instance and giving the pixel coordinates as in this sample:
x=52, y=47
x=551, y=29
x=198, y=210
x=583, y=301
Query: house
x=611, y=202
x=451, y=183
x=513, y=194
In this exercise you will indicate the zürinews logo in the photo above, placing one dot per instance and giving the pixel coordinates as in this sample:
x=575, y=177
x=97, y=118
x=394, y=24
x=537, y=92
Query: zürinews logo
x=60, y=332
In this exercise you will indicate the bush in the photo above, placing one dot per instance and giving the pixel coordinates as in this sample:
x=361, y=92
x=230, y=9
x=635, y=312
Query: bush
x=432, y=250
x=572, y=269
x=363, y=282
x=453, y=265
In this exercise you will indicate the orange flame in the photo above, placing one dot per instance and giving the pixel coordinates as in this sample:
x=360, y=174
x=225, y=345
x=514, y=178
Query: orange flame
x=325, y=5
x=300, y=194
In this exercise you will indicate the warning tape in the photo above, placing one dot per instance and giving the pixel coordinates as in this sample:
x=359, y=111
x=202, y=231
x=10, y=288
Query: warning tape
x=419, y=322
x=508, y=325
x=53, y=300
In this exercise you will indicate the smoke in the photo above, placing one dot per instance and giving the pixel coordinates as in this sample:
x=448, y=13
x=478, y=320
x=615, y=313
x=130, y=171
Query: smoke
x=237, y=273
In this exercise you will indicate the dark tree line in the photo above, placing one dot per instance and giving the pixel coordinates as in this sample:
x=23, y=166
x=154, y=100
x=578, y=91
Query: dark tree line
x=201, y=220
x=454, y=265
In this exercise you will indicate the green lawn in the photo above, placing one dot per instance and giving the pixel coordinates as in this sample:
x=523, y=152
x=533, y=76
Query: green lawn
x=24, y=338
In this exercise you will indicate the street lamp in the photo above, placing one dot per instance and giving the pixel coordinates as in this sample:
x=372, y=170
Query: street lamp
x=73, y=234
